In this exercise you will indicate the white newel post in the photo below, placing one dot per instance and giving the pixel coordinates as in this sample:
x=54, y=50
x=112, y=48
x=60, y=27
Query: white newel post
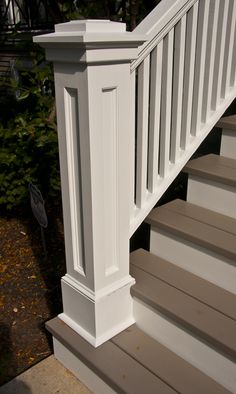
x=93, y=98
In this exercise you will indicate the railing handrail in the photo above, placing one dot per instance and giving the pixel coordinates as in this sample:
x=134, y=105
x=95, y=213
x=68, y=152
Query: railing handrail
x=158, y=23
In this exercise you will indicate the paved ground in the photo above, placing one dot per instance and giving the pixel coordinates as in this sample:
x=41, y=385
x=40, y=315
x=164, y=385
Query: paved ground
x=47, y=377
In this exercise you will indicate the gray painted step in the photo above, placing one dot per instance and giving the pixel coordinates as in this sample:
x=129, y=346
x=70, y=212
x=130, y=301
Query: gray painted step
x=213, y=167
x=133, y=362
x=228, y=122
x=202, y=321
x=114, y=366
x=207, y=233
x=190, y=284
x=203, y=215
x=172, y=369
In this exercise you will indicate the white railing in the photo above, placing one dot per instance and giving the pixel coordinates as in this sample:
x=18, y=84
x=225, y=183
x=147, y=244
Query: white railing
x=183, y=80
x=132, y=107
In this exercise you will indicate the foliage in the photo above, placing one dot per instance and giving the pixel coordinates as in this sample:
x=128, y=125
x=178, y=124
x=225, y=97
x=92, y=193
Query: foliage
x=28, y=138
x=129, y=11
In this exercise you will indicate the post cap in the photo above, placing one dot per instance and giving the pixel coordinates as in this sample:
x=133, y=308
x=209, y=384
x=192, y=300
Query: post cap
x=87, y=32
x=91, y=26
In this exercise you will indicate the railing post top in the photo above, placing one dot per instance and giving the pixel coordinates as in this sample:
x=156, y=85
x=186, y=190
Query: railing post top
x=91, y=26
x=85, y=36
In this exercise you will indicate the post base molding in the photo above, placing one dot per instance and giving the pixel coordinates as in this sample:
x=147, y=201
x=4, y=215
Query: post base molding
x=97, y=319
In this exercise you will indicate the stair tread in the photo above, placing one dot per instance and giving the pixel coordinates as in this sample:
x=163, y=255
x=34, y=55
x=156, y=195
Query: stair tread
x=198, y=318
x=205, y=234
x=227, y=122
x=172, y=369
x=196, y=287
x=117, y=368
x=204, y=215
x=214, y=167
x=139, y=363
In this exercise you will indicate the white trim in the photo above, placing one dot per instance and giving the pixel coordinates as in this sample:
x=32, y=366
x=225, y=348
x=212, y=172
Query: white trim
x=96, y=341
x=158, y=24
x=191, y=257
x=97, y=319
x=96, y=296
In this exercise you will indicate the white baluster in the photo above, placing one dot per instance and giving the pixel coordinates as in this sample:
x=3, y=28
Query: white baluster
x=180, y=36
x=166, y=103
x=203, y=15
x=142, y=131
x=190, y=53
x=154, y=125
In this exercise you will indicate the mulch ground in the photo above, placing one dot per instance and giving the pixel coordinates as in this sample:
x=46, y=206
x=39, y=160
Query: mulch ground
x=29, y=289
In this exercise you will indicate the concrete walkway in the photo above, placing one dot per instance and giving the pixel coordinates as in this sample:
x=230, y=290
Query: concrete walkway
x=47, y=377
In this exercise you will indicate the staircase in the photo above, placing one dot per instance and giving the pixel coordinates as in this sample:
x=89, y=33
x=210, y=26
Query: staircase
x=132, y=110
x=184, y=298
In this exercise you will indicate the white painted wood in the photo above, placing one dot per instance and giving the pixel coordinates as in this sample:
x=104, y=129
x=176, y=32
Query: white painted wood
x=229, y=42
x=132, y=162
x=166, y=103
x=212, y=195
x=97, y=316
x=191, y=349
x=80, y=370
x=142, y=131
x=191, y=35
x=74, y=148
x=233, y=64
x=155, y=116
x=195, y=259
x=140, y=214
x=179, y=54
x=203, y=15
x=210, y=59
x=159, y=23
x=90, y=26
x=93, y=94
x=228, y=144
x=220, y=50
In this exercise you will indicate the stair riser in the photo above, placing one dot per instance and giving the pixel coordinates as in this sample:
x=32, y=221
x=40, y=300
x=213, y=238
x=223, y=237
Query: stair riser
x=228, y=144
x=212, y=195
x=208, y=265
x=80, y=370
x=186, y=346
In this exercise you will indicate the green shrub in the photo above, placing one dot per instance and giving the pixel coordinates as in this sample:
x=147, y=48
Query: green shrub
x=28, y=138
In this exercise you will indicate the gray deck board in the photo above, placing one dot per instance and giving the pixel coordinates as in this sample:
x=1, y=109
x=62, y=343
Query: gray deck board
x=228, y=122
x=198, y=318
x=213, y=167
x=196, y=287
x=212, y=218
x=119, y=370
x=163, y=363
x=202, y=234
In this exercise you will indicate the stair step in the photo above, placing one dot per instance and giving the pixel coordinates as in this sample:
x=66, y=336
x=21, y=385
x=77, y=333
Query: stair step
x=228, y=122
x=170, y=368
x=200, y=289
x=203, y=215
x=202, y=321
x=114, y=366
x=208, y=233
x=133, y=362
x=216, y=168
